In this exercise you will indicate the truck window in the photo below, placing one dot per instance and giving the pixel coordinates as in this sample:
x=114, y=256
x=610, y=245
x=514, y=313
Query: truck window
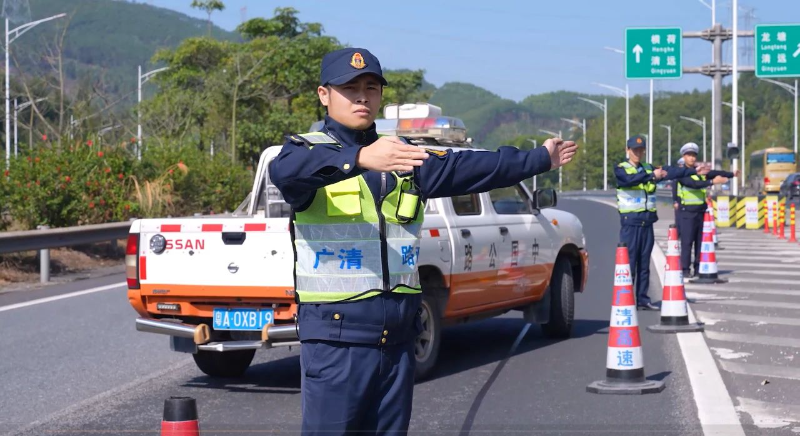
x=467, y=204
x=510, y=201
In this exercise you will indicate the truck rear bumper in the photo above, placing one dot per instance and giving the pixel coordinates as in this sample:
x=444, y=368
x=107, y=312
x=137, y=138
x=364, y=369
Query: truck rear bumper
x=200, y=336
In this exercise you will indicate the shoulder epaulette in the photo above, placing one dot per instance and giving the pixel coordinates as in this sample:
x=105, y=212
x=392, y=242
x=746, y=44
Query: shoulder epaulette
x=311, y=139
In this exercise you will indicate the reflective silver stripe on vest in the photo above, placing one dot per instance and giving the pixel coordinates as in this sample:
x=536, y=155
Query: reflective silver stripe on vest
x=631, y=199
x=366, y=283
x=318, y=138
x=340, y=258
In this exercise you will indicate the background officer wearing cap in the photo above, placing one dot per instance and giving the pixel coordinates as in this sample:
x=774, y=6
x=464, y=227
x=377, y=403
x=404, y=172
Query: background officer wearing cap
x=636, y=199
x=691, y=192
x=358, y=331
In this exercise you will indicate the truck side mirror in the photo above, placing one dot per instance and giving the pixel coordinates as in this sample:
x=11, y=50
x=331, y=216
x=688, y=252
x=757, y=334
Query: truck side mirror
x=545, y=198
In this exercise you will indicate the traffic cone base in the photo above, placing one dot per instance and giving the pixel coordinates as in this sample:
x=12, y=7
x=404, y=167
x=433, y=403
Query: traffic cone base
x=624, y=359
x=674, y=307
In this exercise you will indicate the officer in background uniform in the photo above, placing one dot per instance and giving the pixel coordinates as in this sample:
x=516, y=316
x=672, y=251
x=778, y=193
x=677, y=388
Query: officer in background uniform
x=357, y=202
x=691, y=193
x=636, y=199
x=676, y=202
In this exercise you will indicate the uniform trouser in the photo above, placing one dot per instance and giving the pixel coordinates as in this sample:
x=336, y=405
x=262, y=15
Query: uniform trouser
x=691, y=233
x=639, y=240
x=356, y=388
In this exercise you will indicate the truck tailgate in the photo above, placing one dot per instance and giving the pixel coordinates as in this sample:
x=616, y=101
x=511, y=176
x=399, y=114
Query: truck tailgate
x=217, y=257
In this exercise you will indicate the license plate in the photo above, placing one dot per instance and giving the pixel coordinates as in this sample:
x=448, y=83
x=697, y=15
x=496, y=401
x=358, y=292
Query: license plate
x=242, y=319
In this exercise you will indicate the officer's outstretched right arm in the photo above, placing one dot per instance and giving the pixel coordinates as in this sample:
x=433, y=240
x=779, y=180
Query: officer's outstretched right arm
x=625, y=180
x=299, y=170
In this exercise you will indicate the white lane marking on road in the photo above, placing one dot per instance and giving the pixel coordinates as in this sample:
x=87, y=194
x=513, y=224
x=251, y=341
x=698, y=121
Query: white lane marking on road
x=753, y=339
x=769, y=415
x=756, y=319
x=714, y=405
x=757, y=303
x=727, y=353
x=782, y=273
x=723, y=289
x=61, y=297
x=766, y=266
x=760, y=281
x=761, y=370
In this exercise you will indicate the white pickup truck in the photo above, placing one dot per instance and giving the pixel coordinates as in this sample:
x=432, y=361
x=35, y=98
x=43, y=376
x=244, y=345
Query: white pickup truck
x=222, y=287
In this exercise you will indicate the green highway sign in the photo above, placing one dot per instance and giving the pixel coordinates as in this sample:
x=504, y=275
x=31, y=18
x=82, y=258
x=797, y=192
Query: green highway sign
x=653, y=53
x=777, y=50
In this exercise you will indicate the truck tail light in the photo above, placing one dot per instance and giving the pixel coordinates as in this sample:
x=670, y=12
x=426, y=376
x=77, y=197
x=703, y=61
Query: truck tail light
x=132, y=261
x=796, y=182
x=766, y=180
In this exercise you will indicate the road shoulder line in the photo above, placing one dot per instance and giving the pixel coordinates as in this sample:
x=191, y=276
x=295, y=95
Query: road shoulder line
x=714, y=405
x=61, y=297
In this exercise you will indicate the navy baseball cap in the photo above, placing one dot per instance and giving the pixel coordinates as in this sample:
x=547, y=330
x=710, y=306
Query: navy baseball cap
x=637, y=141
x=342, y=66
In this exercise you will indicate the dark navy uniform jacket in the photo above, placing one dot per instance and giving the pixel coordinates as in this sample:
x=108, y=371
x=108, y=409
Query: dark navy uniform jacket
x=299, y=171
x=625, y=180
x=699, y=184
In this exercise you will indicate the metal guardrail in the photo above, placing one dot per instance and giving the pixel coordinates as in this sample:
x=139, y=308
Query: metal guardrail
x=46, y=238
x=12, y=242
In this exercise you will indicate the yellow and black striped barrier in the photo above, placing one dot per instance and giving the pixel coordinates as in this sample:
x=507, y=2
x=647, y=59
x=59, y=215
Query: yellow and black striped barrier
x=748, y=212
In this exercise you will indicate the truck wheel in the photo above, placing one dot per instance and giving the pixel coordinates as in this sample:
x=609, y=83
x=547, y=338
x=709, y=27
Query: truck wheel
x=562, y=302
x=426, y=347
x=227, y=364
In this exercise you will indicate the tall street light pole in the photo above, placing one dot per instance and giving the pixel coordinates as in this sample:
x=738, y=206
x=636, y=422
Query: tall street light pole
x=582, y=126
x=11, y=36
x=741, y=111
x=791, y=90
x=713, y=8
x=669, y=143
x=701, y=123
x=603, y=107
x=534, y=177
x=622, y=93
x=557, y=135
x=142, y=79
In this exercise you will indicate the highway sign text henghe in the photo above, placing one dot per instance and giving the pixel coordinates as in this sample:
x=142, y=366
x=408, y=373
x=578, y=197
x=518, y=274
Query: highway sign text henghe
x=777, y=50
x=653, y=53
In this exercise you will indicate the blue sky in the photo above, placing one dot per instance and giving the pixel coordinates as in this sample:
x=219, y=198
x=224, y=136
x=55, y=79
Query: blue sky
x=512, y=48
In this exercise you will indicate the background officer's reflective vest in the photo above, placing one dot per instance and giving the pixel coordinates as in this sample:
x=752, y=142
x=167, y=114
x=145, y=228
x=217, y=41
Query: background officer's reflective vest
x=349, y=250
x=639, y=198
x=692, y=196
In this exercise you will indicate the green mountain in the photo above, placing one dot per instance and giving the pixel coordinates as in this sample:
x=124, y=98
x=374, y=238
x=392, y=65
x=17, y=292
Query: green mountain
x=105, y=40
x=493, y=121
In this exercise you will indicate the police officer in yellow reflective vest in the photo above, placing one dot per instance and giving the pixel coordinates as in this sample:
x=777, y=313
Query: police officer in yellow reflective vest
x=357, y=202
x=636, y=199
x=691, y=193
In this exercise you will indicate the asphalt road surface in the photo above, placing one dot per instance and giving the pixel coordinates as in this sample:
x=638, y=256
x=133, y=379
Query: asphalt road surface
x=77, y=366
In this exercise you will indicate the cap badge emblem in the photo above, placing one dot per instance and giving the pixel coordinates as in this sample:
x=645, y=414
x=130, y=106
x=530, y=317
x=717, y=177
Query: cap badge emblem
x=357, y=61
x=638, y=140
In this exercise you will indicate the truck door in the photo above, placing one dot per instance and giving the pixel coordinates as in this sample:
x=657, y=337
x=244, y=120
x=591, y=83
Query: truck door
x=521, y=239
x=475, y=236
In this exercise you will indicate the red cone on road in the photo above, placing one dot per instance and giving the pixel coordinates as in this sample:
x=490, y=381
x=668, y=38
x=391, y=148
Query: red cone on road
x=674, y=309
x=624, y=361
x=708, y=258
x=180, y=417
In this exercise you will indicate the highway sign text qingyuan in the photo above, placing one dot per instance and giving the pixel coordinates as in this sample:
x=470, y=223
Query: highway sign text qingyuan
x=653, y=53
x=777, y=50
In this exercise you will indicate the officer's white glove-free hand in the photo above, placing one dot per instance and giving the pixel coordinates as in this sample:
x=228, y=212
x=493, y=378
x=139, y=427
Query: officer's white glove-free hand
x=561, y=152
x=389, y=153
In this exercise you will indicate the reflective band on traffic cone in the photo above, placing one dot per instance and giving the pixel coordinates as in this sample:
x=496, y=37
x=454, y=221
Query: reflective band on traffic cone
x=624, y=362
x=180, y=417
x=674, y=309
x=792, y=237
x=713, y=223
x=782, y=222
x=774, y=219
x=708, y=258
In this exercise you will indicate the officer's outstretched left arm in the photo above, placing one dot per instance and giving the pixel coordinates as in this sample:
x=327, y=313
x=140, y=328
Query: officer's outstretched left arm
x=471, y=171
x=677, y=172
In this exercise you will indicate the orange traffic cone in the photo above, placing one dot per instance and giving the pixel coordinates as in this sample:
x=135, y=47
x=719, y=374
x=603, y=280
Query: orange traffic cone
x=713, y=224
x=708, y=257
x=180, y=417
x=674, y=309
x=624, y=362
